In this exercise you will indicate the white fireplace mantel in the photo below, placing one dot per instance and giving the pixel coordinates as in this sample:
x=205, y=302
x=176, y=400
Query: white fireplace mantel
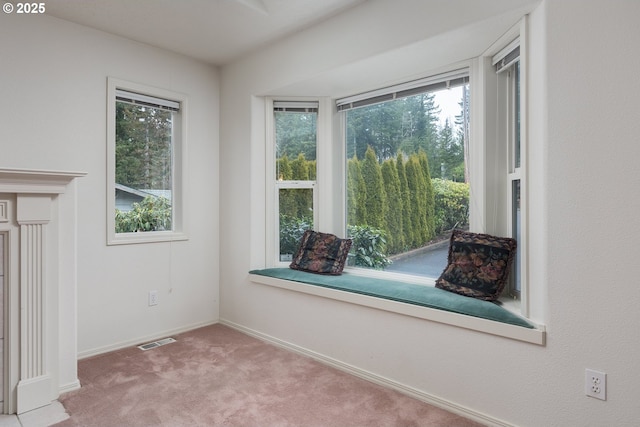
x=44, y=276
x=35, y=181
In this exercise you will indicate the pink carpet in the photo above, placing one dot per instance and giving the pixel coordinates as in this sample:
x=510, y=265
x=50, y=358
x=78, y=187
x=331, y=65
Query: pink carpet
x=217, y=376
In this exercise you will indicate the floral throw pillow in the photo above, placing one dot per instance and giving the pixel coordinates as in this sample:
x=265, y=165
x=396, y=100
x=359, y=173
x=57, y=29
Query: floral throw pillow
x=321, y=253
x=478, y=265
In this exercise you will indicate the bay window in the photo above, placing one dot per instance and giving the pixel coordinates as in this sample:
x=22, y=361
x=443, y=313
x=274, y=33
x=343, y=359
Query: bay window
x=396, y=169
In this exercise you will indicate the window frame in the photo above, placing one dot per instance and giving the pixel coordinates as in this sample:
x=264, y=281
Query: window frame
x=179, y=154
x=495, y=136
x=273, y=186
x=489, y=210
x=460, y=73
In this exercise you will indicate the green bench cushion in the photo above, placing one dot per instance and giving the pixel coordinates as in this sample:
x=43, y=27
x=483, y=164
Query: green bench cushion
x=426, y=296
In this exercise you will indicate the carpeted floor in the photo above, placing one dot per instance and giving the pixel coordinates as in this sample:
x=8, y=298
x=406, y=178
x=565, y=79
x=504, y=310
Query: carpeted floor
x=217, y=376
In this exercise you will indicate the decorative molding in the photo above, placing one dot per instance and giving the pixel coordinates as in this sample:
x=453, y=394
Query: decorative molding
x=34, y=368
x=13, y=180
x=4, y=211
x=34, y=388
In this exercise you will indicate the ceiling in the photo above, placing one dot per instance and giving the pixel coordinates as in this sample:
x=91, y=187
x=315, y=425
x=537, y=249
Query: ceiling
x=213, y=31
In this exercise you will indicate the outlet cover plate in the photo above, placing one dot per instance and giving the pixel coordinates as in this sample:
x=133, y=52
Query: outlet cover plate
x=595, y=384
x=153, y=298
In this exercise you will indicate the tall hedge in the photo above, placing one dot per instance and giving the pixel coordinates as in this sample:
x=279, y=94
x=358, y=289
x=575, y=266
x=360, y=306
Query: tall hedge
x=395, y=233
x=356, y=193
x=376, y=202
x=407, y=229
x=417, y=188
x=396, y=197
x=283, y=169
x=430, y=198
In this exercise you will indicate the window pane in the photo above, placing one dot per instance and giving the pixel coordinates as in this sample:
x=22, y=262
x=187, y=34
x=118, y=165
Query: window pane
x=516, y=108
x=295, y=145
x=407, y=180
x=296, y=216
x=143, y=168
x=517, y=227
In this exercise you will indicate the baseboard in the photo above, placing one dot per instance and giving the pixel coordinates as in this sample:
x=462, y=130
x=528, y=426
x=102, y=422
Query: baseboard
x=66, y=388
x=372, y=377
x=140, y=340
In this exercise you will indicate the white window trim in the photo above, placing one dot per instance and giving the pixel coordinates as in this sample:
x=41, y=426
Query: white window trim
x=179, y=195
x=458, y=71
x=322, y=186
x=489, y=135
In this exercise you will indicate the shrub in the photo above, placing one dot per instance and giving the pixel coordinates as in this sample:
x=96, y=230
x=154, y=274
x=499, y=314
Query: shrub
x=291, y=231
x=368, y=248
x=151, y=214
x=451, y=204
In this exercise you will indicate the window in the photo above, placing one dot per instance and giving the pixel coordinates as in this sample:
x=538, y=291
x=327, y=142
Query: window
x=368, y=145
x=145, y=153
x=407, y=178
x=507, y=65
x=294, y=162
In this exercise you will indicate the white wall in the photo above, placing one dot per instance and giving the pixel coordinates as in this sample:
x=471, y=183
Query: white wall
x=583, y=132
x=53, y=83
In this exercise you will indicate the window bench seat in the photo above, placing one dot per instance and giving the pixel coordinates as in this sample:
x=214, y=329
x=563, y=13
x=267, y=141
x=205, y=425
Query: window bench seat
x=450, y=305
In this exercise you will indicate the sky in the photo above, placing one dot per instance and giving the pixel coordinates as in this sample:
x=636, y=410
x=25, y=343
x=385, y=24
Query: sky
x=448, y=100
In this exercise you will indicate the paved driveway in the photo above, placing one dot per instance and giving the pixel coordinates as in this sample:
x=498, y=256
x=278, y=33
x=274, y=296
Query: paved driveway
x=427, y=263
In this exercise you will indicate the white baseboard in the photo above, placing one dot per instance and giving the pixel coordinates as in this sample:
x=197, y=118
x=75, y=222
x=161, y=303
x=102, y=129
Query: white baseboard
x=66, y=388
x=140, y=340
x=372, y=377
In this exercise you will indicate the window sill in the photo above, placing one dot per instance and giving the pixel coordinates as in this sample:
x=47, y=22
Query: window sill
x=535, y=335
x=145, y=237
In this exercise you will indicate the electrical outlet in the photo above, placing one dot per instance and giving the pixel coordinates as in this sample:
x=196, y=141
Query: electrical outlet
x=595, y=384
x=153, y=298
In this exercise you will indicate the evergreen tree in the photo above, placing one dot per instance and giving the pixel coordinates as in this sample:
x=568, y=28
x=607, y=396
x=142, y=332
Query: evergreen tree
x=417, y=188
x=143, y=147
x=303, y=197
x=429, y=196
x=295, y=134
x=395, y=234
x=283, y=169
x=356, y=193
x=300, y=169
x=407, y=227
x=376, y=201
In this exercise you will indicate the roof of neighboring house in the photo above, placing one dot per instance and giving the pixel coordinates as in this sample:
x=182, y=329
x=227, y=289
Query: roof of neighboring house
x=144, y=193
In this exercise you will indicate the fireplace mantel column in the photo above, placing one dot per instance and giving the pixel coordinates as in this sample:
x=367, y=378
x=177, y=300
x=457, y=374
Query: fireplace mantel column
x=41, y=359
x=34, y=387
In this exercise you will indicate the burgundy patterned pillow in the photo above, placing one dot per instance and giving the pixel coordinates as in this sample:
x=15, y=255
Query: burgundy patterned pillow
x=478, y=265
x=321, y=253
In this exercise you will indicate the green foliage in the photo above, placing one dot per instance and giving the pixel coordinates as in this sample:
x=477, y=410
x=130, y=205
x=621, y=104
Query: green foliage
x=283, y=169
x=406, y=124
x=300, y=169
x=291, y=231
x=143, y=146
x=407, y=229
x=376, y=202
x=418, y=191
x=429, y=196
x=368, y=248
x=356, y=193
x=451, y=204
x=296, y=134
x=395, y=233
x=151, y=214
